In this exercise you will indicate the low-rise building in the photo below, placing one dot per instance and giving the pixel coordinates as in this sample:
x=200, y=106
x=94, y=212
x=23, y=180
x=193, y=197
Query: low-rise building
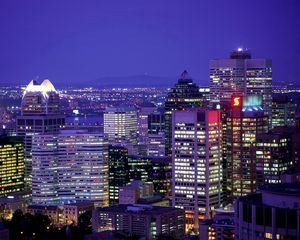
x=135, y=190
x=73, y=211
x=272, y=214
x=142, y=220
x=220, y=227
x=54, y=212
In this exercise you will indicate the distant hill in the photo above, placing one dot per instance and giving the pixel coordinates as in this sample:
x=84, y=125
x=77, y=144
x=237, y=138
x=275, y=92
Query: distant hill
x=121, y=81
x=133, y=81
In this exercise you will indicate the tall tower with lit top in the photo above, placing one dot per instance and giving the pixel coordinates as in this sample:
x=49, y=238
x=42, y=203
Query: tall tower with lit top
x=40, y=113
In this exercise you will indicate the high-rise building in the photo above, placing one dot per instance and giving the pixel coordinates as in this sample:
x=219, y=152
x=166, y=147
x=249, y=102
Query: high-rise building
x=274, y=213
x=69, y=166
x=273, y=155
x=135, y=190
x=241, y=75
x=283, y=111
x=40, y=113
x=161, y=175
x=196, y=163
x=185, y=94
x=118, y=171
x=139, y=168
x=156, y=134
x=246, y=119
x=157, y=170
x=143, y=113
x=11, y=165
x=120, y=127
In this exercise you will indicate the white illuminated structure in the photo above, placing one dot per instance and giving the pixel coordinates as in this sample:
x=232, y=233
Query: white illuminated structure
x=40, y=99
x=196, y=163
x=70, y=166
x=241, y=75
x=120, y=127
x=40, y=113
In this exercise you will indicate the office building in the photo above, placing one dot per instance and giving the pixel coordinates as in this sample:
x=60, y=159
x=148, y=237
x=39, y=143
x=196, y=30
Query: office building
x=40, y=113
x=283, y=111
x=120, y=127
x=70, y=166
x=220, y=226
x=72, y=211
x=245, y=121
x=196, y=163
x=185, y=94
x=118, y=171
x=156, y=145
x=137, y=189
x=11, y=165
x=142, y=122
x=241, y=75
x=143, y=220
x=54, y=212
x=12, y=202
x=274, y=213
x=156, y=134
x=161, y=175
x=157, y=170
x=296, y=149
x=273, y=155
x=139, y=168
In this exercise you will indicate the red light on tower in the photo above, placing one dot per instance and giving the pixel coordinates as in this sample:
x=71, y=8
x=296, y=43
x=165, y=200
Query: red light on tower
x=237, y=101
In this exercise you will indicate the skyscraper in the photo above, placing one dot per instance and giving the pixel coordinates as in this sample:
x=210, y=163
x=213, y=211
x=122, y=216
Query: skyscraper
x=142, y=122
x=11, y=165
x=118, y=171
x=156, y=134
x=283, y=111
x=196, y=163
x=40, y=113
x=70, y=166
x=241, y=75
x=273, y=155
x=245, y=120
x=120, y=127
x=185, y=94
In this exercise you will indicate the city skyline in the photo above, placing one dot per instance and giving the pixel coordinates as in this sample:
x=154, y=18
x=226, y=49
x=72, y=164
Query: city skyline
x=75, y=43
x=161, y=120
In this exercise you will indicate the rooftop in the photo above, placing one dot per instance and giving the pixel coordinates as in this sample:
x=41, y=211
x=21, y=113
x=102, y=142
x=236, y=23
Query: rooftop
x=290, y=189
x=139, y=209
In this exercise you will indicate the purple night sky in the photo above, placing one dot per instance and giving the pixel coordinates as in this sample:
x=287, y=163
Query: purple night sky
x=75, y=41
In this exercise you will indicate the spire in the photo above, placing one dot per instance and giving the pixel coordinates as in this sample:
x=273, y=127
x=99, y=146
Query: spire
x=185, y=75
x=185, y=78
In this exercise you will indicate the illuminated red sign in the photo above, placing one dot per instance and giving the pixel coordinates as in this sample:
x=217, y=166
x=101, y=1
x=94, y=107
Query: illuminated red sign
x=237, y=101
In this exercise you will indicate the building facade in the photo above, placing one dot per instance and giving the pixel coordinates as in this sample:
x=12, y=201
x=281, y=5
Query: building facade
x=196, y=163
x=246, y=119
x=272, y=214
x=185, y=94
x=70, y=166
x=273, y=155
x=241, y=75
x=118, y=171
x=40, y=113
x=12, y=165
x=120, y=127
x=142, y=220
x=283, y=111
